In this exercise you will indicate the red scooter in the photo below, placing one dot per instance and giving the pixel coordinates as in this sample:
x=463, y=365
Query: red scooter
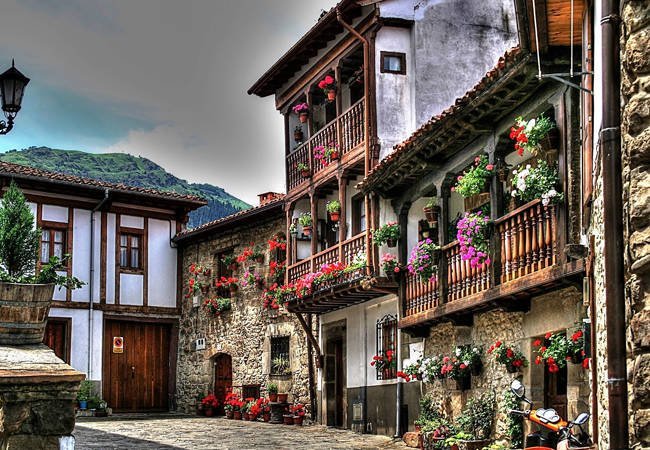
x=554, y=433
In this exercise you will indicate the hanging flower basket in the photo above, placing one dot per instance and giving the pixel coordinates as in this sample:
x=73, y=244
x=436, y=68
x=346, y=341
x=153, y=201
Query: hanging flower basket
x=298, y=134
x=334, y=209
x=391, y=242
x=303, y=116
x=307, y=230
x=431, y=214
x=302, y=111
x=331, y=95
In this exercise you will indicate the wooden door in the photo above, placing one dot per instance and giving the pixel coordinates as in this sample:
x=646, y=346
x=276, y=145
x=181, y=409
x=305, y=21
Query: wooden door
x=555, y=391
x=57, y=337
x=222, y=379
x=334, y=381
x=138, y=378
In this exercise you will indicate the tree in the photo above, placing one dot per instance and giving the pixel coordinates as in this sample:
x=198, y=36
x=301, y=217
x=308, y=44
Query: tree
x=19, y=238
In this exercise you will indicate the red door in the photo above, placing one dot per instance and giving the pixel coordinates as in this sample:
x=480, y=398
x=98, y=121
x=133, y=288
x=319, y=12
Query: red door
x=57, y=337
x=137, y=379
x=222, y=378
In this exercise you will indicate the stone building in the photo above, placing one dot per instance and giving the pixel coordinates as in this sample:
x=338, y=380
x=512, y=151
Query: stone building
x=245, y=347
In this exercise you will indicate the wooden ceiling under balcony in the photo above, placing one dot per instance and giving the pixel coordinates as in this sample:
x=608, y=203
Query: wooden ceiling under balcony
x=554, y=23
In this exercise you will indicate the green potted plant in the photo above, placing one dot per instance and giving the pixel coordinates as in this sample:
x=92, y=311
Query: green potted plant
x=281, y=366
x=272, y=389
x=539, y=182
x=476, y=421
x=305, y=222
x=304, y=169
x=431, y=212
x=386, y=234
x=334, y=209
x=473, y=184
x=302, y=111
x=423, y=260
x=328, y=85
x=509, y=356
x=83, y=394
x=529, y=134
x=25, y=294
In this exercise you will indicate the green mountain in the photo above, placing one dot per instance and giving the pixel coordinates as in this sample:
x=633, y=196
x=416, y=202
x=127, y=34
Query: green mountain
x=130, y=170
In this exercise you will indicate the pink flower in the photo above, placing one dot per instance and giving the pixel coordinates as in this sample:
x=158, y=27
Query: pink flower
x=489, y=166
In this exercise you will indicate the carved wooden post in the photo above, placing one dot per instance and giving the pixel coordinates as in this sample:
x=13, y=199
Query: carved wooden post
x=343, y=226
x=443, y=238
x=313, y=199
x=496, y=211
x=290, y=240
x=405, y=288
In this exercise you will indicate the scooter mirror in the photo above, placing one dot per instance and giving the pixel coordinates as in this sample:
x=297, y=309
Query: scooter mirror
x=517, y=388
x=581, y=419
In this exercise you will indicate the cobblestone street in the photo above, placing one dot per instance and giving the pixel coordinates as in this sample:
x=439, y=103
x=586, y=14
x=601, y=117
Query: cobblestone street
x=189, y=432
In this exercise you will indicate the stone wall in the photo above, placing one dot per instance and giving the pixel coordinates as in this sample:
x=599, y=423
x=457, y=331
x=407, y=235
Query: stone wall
x=555, y=311
x=635, y=89
x=244, y=332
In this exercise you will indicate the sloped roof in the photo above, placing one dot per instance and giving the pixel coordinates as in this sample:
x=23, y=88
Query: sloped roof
x=440, y=125
x=255, y=213
x=32, y=173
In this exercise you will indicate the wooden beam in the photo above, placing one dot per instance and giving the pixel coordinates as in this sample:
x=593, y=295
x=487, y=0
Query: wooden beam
x=310, y=336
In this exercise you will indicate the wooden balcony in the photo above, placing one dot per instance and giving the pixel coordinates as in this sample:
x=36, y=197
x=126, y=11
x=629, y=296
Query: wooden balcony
x=347, y=289
x=525, y=261
x=347, y=130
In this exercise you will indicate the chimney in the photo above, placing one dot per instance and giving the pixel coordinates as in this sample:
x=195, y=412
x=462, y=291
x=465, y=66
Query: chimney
x=269, y=197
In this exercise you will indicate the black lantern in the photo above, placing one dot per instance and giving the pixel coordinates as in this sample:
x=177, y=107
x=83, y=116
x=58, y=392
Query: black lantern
x=12, y=87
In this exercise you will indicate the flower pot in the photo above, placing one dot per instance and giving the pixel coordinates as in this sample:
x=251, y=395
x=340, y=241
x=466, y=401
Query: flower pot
x=577, y=358
x=334, y=156
x=297, y=420
x=200, y=410
x=305, y=173
x=209, y=412
x=236, y=415
x=23, y=312
x=334, y=216
x=273, y=397
x=331, y=95
x=431, y=215
x=392, y=275
x=392, y=243
x=266, y=417
x=463, y=383
x=253, y=417
x=288, y=419
x=303, y=116
x=229, y=414
x=418, y=428
x=298, y=136
x=307, y=230
x=247, y=416
x=512, y=369
x=282, y=398
x=83, y=405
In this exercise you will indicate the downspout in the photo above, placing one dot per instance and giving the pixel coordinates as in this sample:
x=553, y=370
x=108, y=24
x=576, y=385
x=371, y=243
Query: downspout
x=92, y=277
x=610, y=138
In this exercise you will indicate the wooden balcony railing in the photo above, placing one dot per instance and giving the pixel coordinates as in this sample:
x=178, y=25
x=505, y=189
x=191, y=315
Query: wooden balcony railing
x=526, y=240
x=347, y=130
x=344, y=252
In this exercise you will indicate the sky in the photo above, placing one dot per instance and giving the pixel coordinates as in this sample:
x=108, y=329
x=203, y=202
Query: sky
x=161, y=79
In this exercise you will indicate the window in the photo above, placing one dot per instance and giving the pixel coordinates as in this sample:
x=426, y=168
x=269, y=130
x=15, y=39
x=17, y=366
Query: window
x=280, y=362
x=53, y=242
x=392, y=62
x=358, y=215
x=225, y=262
x=250, y=391
x=131, y=250
x=386, y=345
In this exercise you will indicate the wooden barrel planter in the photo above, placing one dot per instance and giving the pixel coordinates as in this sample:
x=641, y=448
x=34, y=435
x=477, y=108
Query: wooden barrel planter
x=23, y=312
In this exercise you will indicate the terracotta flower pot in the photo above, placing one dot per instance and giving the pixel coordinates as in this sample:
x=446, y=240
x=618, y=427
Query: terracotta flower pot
x=334, y=156
x=391, y=243
x=266, y=417
x=200, y=410
x=303, y=116
x=282, y=398
x=306, y=230
x=512, y=369
x=305, y=173
x=331, y=95
x=236, y=415
x=431, y=215
x=23, y=312
x=209, y=412
x=288, y=419
x=297, y=420
x=273, y=397
x=334, y=216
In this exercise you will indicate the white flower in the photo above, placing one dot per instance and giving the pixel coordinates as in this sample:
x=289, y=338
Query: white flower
x=551, y=193
x=513, y=193
x=475, y=350
x=466, y=363
x=527, y=167
x=546, y=201
x=457, y=351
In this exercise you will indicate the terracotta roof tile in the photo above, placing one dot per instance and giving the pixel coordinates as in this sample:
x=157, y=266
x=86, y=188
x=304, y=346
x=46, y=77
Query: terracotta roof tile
x=509, y=59
x=17, y=170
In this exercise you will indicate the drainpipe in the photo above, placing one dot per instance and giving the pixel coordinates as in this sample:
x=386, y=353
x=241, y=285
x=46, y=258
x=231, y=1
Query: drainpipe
x=92, y=277
x=610, y=138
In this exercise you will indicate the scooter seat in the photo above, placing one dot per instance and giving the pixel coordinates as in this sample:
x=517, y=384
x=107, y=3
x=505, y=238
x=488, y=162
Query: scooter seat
x=547, y=415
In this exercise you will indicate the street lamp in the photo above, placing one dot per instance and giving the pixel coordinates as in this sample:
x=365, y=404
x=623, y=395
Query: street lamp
x=12, y=87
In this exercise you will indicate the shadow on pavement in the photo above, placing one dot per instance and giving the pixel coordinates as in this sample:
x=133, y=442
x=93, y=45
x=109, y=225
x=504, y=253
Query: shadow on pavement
x=89, y=438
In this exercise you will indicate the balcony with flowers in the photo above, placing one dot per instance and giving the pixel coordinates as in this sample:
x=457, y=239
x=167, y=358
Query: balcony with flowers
x=325, y=124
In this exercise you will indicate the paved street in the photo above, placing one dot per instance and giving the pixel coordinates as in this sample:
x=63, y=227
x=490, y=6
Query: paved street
x=168, y=432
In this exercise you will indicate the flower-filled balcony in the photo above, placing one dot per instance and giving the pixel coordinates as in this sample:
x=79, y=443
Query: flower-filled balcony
x=335, y=278
x=496, y=260
x=339, y=142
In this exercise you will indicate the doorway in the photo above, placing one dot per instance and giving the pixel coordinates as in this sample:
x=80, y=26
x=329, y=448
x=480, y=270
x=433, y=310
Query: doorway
x=222, y=379
x=334, y=382
x=57, y=337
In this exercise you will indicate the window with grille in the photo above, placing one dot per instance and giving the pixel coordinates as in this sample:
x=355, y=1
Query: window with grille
x=131, y=250
x=386, y=347
x=53, y=242
x=280, y=362
x=222, y=261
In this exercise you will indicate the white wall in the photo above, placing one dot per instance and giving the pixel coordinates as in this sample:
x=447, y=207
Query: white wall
x=79, y=339
x=161, y=264
x=110, y=258
x=360, y=343
x=81, y=253
x=131, y=221
x=55, y=213
x=131, y=289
